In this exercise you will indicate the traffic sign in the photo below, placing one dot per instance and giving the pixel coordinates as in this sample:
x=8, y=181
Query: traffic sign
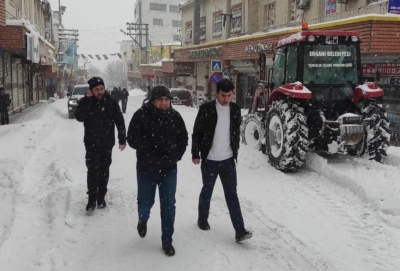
x=216, y=65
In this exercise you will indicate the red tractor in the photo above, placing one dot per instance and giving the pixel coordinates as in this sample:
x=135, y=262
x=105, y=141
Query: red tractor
x=315, y=100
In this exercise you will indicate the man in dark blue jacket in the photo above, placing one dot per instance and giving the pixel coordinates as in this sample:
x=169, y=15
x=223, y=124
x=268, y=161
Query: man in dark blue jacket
x=158, y=133
x=215, y=142
x=99, y=114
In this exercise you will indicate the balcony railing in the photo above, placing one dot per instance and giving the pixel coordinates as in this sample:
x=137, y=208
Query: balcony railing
x=378, y=8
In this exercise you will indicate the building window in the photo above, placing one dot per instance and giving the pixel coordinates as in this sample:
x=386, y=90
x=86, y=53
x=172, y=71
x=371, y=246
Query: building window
x=176, y=23
x=295, y=13
x=176, y=37
x=217, y=24
x=203, y=28
x=158, y=22
x=188, y=32
x=270, y=14
x=158, y=7
x=174, y=9
x=236, y=20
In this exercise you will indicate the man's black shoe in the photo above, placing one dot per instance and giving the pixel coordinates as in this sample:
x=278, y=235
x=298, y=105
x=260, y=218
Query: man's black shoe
x=91, y=202
x=203, y=224
x=142, y=228
x=101, y=203
x=242, y=235
x=169, y=250
x=91, y=206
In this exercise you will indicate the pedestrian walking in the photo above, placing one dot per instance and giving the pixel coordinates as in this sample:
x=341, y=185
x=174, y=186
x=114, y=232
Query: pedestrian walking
x=159, y=135
x=215, y=143
x=99, y=114
x=124, y=97
x=5, y=102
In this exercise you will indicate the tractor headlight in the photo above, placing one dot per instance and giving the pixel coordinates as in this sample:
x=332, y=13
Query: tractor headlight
x=311, y=38
x=73, y=102
x=354, y=38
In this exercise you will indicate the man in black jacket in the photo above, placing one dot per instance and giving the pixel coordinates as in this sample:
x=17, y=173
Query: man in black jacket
x=215, y=142
x=158, y=133
x=5, y=102
x=99, y=114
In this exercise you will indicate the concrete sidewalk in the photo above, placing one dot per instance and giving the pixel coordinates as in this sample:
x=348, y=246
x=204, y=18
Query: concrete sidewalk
x=28, y=113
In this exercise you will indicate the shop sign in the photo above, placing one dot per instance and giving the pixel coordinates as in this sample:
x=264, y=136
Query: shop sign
x=256, y=48
x=394, y=6
x=182, y=67
x=242, y=63
x=384, y=69
x=206, y=52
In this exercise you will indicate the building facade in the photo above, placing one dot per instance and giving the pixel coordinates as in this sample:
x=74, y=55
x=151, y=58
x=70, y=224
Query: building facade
x=27, y=52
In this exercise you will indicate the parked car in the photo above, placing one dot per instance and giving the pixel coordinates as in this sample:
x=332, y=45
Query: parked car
x=77, y=93
x=181, y=96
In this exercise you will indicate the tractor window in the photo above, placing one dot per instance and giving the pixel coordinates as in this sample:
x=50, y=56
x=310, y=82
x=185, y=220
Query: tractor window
x=279, y=67
x=330, y=64
x=291, y=68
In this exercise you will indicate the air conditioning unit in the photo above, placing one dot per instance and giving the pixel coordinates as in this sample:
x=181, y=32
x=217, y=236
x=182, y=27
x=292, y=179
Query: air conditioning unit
x=302, y=4
x=342, y=1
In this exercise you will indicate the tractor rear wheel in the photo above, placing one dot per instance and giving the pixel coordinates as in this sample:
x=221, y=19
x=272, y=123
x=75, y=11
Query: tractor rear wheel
x=253, y=131
x=377, y=136
x=286, y=135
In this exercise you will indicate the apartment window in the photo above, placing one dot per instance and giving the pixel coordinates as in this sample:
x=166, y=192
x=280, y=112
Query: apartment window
x=295, y=13
x=176, y=23
x=217, y=24
x=176, y=38
x=158, y=22
x=174, y=9
x=236, y=20
x=203, y=28
x=270, y=14
x=188, y=32
x=158, y=7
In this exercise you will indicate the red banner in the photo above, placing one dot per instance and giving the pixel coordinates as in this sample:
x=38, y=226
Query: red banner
x=384, y=69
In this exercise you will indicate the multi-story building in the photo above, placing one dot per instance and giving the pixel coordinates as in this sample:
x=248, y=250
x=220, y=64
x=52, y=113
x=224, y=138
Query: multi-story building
x=27, y=53
x=163, y=18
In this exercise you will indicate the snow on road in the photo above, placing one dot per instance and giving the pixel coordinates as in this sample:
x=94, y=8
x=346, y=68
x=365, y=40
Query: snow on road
x=340, y=213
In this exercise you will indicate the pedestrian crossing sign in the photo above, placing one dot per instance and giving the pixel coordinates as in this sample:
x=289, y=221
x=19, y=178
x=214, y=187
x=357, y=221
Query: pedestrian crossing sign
x=216, y=66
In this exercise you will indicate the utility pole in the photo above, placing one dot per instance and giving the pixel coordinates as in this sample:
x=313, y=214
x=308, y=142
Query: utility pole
x=196, y=22
x=139, y=28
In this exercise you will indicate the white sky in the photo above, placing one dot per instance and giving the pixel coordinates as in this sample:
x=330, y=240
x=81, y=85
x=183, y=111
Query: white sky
x=340, y=213
x=99, y=23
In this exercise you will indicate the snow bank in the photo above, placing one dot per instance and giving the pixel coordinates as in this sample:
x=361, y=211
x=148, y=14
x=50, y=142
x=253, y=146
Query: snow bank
x=376, y=184
x=137, y=92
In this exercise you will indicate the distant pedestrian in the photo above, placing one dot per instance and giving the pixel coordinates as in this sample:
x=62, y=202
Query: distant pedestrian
x=124, y=99
x=215, y=142
x=159, y=135
x=99, y=114
x=5, y=102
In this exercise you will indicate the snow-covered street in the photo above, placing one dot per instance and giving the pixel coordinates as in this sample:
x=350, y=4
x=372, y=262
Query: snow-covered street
x=338, y=213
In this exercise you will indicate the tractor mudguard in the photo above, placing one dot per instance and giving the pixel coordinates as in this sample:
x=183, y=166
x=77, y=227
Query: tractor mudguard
x=294, y=90
x=367, y=90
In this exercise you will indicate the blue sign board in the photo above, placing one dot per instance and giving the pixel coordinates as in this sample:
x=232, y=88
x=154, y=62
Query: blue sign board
x=394, y=6
x=70, y=49
x=216, y=65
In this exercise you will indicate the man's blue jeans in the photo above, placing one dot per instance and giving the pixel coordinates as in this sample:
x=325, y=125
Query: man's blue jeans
x=226, y=170
x=147, y=185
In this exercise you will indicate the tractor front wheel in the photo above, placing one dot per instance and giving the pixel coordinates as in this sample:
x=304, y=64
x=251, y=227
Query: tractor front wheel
x=253, y=131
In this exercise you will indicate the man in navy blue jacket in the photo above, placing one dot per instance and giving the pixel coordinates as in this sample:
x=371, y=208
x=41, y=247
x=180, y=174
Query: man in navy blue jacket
x=159, y=135
x=215, y=142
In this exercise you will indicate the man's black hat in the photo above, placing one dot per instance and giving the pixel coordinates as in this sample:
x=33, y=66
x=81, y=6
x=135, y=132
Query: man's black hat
x=95, y=81
x=159, y=91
